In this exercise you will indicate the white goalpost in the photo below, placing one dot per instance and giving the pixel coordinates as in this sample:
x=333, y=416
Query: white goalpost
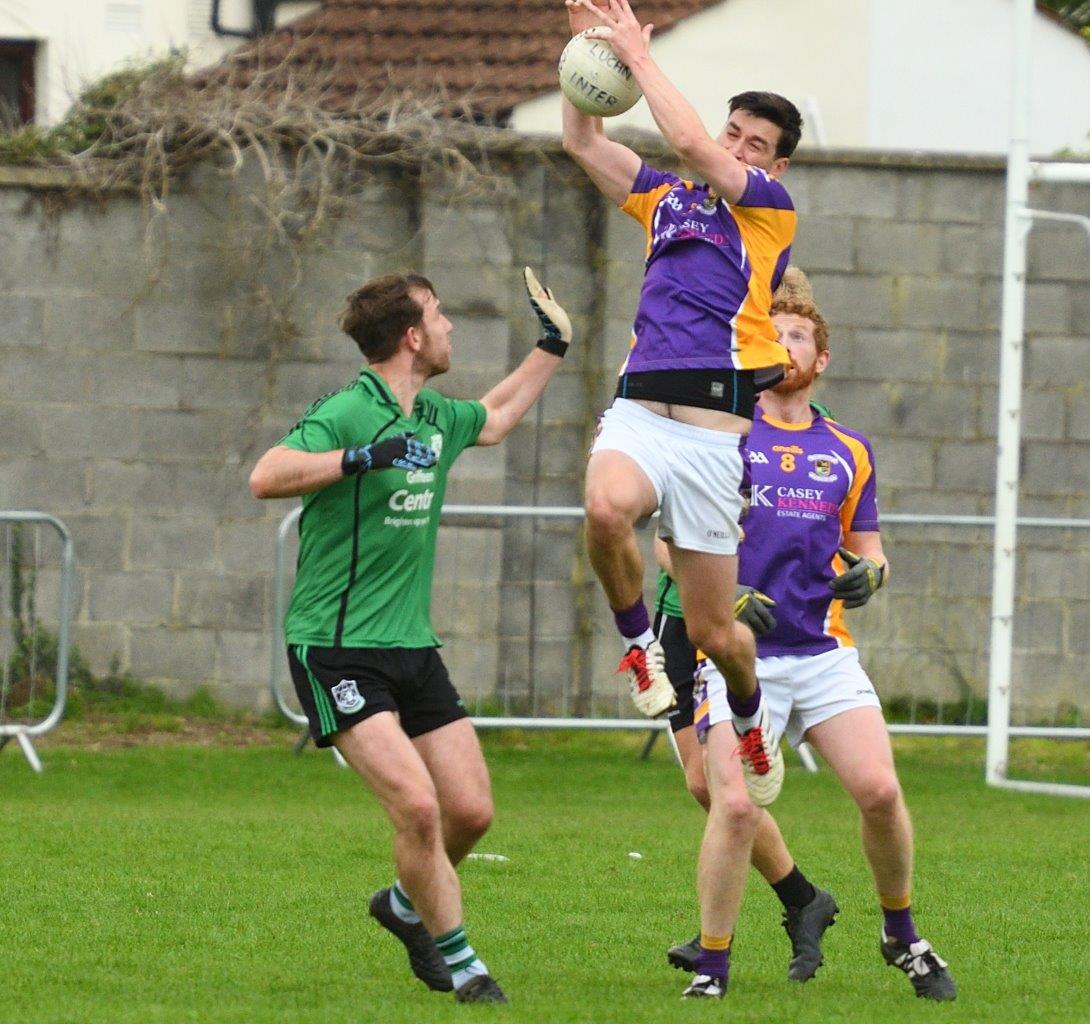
x=1019, y=221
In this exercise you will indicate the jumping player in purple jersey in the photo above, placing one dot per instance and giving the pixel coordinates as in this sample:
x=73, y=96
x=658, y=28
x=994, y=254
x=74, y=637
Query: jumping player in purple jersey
x=812, y=549
x=702, y=346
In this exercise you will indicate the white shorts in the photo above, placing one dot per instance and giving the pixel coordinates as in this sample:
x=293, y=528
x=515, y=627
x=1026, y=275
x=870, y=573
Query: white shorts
x=696, y=474
x=801, y=690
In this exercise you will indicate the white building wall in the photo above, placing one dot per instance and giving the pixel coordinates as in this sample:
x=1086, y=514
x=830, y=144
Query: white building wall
x=941, y=78
x=880, y=74
x=82, y=40
x=806, y=50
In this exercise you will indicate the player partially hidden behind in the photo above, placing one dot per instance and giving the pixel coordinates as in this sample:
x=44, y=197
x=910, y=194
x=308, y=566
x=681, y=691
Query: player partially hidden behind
x=812, y=550
x=371, y=462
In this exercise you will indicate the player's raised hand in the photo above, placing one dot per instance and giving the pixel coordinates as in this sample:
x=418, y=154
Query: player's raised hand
x=857, y=585
x=616, y=24
x=579, y=18
x=402, y=451
x=752, y=608
x=555, y=323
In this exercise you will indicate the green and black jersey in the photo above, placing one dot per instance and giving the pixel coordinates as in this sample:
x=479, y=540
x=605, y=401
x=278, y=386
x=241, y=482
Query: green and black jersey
x=367, y=542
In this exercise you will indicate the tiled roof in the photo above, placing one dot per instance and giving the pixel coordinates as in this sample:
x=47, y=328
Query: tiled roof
x=488, y=54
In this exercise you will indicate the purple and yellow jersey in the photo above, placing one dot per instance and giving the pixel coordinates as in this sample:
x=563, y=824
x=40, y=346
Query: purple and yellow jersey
x=711, y=269
x=811, y=485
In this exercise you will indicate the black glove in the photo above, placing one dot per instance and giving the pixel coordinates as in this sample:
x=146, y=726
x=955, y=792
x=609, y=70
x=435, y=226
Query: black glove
x=402, y=451
x=863, y=578
x=751, y=608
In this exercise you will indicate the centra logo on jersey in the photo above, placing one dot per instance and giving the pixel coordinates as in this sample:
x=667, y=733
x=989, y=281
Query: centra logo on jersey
x=402, y=501
x=347, y=697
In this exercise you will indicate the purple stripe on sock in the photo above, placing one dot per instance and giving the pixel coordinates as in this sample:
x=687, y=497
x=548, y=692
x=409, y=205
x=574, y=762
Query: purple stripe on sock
x=744, y=707
x=715, y=963
x=900, y=926
x=634, y=621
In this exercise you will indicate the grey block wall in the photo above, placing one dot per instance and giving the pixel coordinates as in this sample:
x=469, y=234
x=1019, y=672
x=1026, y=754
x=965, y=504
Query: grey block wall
x=146, y=366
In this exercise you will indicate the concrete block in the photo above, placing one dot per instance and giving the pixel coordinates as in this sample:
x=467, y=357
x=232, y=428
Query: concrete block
x=473, y=667
x=926, y=302
x=92, y=322
x=908, y=248
x=953, y=197
x=247, y=545
x=1078, y=416
x=1055, y=574
x=1048, y=308
x=971, y=358
x=972, y=250
x=79, y=431
x=853, y=192
x=514, y=607
x=887, y=355
x=58, y=487
x=1058, y=252
x=824, y=243
x=132, y=598
x=99, y=540
x=169, y=435
x=130, y=487
x=467, y=234
x=1076, y=639
x=941, y=411
x=1038, y=626
x=1055, y=468
x=856, y=300
x=966, y=466
x=909, y=500
x=623, y=282
x=386, y=227
x=22, y=429
x=137, y=380
x=40, y=375
x=21, y=321
x=1042, y=414
x=172, y=542
x=903, y=463
x=208, y=383
x=102, y=645
x=625, y=239
x=182, y=327
x=181, y=655
x=221, y=601
x=483, y=289
x=241, y=666
x=1052, y=362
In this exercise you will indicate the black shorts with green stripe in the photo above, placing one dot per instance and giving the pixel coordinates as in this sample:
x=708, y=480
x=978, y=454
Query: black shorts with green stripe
x=340, y=686
x=680, y=666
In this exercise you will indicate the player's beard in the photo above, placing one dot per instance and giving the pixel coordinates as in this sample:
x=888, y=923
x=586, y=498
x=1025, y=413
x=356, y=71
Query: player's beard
x=796, y=380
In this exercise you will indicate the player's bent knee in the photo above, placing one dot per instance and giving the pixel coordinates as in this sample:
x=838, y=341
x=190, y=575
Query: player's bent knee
x=606, y=521
x=881, y=798
x=716, y=639
x=417, y=815
x=474, y=820
x=698, y=788
x=737, y=812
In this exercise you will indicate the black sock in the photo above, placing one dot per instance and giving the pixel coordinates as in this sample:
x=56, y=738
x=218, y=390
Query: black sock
x=794, y=890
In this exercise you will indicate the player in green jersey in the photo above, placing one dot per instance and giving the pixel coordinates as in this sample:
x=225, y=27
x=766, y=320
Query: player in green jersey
x=370, y=462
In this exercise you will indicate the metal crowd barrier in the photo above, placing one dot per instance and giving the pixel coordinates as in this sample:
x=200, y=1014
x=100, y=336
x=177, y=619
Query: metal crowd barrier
x=280, y=597
x=23, y=732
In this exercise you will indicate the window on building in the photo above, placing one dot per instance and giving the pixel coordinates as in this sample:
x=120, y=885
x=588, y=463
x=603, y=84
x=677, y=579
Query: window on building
x=16, y=83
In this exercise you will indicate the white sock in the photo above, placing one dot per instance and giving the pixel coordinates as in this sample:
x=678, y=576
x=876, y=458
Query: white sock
x=401, y=905
x=639, y=641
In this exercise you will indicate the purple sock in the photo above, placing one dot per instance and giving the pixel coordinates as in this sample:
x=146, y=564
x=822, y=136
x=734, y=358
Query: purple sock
x=900, y=926
x=715, y=963
x=634, y=621
x=744, y=707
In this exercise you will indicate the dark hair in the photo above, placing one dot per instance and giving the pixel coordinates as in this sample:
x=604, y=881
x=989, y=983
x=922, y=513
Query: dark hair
x=380, y=312
x=773, y=107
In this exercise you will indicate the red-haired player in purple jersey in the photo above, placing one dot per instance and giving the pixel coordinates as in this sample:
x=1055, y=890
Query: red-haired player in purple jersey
x=702, y=346
x=812, y=549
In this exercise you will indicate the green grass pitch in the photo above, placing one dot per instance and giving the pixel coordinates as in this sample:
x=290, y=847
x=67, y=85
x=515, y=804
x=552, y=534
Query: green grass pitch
x=172, y=883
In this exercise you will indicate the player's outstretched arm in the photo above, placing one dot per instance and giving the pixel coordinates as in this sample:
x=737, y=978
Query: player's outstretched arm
x=611, y=166
x=677, y=120
x=510, y=400
x=284, y=472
